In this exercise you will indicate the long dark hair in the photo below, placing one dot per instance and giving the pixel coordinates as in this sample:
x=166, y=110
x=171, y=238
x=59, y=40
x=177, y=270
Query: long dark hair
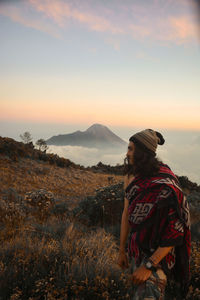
x=146, y=164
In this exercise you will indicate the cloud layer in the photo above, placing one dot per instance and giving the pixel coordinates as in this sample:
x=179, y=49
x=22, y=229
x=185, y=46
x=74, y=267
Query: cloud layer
x=182, y=157
x=87, y=156
x=159, y=21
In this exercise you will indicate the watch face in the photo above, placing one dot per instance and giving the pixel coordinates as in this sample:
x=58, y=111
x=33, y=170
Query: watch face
x=148, y=265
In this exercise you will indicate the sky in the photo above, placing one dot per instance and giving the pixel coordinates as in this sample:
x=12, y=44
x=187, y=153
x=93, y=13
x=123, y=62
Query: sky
x=129, y=65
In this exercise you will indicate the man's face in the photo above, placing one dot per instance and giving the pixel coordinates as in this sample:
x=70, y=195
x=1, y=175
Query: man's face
x=130, y=153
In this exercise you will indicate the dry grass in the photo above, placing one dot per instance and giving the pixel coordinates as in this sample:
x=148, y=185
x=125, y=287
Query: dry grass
x=46, y=253
x=57, y=260
x=69, y=183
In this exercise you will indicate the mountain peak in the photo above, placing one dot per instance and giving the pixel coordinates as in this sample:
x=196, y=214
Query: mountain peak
x=96, y=126
x=97, y=135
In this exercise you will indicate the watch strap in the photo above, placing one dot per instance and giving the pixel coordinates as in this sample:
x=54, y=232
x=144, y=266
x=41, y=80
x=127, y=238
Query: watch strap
x=152, y=268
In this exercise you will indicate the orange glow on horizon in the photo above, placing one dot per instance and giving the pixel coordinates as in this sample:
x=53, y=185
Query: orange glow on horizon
x=149, y=116
x=84, y=120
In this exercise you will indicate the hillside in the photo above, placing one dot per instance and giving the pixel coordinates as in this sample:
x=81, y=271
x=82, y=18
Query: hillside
x=19, y=156
x=24, y=168
x=60, y=225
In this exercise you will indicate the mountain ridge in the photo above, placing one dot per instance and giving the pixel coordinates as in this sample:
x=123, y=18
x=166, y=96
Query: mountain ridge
x=96, y=136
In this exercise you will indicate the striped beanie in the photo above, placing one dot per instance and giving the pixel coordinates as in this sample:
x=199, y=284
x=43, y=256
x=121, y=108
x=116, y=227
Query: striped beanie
x=148, y=139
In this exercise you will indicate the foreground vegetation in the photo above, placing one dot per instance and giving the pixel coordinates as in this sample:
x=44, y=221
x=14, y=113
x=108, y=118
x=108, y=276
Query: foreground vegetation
x=58, y=259
x=47, y=253
x=53, y=250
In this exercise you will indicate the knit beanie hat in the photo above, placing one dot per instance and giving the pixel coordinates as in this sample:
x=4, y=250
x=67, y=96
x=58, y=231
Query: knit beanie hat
x=148, y=139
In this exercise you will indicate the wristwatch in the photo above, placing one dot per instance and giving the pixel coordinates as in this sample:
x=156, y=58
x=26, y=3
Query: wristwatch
x=148, y=263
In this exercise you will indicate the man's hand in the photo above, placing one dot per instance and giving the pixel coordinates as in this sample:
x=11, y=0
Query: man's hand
x=140, y=275
x=123, y=260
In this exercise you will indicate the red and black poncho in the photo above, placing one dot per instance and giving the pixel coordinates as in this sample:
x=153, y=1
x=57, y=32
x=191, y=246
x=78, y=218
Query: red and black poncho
x=159, y=217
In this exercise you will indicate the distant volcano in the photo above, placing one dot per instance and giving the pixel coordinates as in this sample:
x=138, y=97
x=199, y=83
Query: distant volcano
x=96, y=136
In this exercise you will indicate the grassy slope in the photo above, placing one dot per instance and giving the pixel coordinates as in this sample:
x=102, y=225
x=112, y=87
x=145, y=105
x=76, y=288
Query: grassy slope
x=27, y=175
x=56, y=257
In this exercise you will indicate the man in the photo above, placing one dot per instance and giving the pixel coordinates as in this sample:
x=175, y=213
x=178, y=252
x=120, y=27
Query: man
x=156, y=218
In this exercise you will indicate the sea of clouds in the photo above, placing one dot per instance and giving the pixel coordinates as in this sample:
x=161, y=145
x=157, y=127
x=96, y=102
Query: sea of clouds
x=87, y=156
x=180, y=152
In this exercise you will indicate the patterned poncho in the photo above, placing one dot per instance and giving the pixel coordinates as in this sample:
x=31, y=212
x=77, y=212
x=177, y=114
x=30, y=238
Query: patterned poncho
x=159, y=217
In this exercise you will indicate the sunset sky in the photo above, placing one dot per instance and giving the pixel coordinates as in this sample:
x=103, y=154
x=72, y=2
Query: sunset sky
x=119, y=63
